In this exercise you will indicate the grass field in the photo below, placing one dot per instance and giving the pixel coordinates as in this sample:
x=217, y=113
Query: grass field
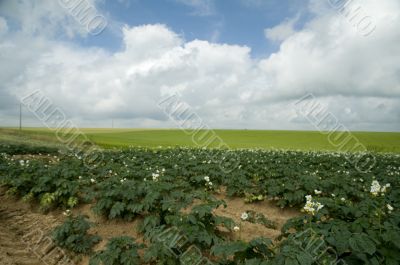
x=289, y=140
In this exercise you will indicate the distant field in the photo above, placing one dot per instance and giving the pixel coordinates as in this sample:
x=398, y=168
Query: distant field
x=290, y=140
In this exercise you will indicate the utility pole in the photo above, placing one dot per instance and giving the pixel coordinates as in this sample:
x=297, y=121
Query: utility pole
x=20, y=116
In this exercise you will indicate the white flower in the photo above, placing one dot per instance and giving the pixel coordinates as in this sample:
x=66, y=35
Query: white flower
x=206, y=178
x=384, y=188
x=210, y=183
x=80, y=177
x=319, y=206
x=390, y=208
x=342, y=199
x=236, y=228
x=309, y=207
x=155, y=176
x=333, y=195
x=317, y=192
x=375, y=188
x=312, y=207
x=244, y=216
x=67, y=213
x=92, y=180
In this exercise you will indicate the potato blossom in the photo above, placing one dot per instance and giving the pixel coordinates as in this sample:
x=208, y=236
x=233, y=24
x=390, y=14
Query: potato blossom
x=312, y=207
x=244, y=216
x=376, y=188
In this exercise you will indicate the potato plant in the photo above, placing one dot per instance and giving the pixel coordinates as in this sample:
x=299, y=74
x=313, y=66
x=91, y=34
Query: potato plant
x=73, y=235
x=354, y=215
x=119, y=251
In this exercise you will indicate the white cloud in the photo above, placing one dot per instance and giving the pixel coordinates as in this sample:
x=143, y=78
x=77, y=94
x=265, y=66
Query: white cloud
x=329, y=57
x=221, y=82
x=281, y=31
x=149, y=41
x=3, y=26
x=50, y=18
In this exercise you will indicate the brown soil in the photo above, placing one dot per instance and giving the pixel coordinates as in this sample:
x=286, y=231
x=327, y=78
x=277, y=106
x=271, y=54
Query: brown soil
x=237, y=206
x=24, y=229
x=24, y=236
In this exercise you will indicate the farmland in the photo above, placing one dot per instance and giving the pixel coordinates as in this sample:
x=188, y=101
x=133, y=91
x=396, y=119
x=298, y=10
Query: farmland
x=199, y=132
x=141, y=205
x=288, y=140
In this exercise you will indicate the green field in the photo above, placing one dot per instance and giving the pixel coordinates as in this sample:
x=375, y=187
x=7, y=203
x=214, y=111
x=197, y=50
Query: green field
x=290, y=140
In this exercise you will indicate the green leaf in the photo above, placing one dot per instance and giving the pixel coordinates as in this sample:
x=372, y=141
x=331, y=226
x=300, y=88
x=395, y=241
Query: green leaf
x=229, y=249
x=362, y=243
x=304, y=258
x=117, y=209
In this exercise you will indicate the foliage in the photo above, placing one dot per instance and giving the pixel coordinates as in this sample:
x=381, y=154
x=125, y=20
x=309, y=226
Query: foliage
x=201, y=226
x=119, y=251
x=73, y=235
x=22, y=149
x=51, y=184
x=254, y=252
x=168, y=188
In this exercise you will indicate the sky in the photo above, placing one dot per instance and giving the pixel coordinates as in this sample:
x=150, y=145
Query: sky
x=238, y=64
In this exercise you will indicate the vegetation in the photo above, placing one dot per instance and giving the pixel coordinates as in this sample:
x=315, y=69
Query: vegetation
x=119, y=251
x=288, y=140
x=348, y=215
x=73, y=235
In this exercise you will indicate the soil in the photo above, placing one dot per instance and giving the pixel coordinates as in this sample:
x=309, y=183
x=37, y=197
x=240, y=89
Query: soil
x=24, y=236
x=24, y=229
x=237, y=206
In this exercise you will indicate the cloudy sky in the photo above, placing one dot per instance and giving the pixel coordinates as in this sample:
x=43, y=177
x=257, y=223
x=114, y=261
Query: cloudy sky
x=236, y=63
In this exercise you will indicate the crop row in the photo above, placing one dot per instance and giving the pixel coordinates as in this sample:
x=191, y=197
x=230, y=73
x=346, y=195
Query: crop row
x=352, y=216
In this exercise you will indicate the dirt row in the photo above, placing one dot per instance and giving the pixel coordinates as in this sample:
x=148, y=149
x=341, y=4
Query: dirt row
x=24, y=236
x=25, y=240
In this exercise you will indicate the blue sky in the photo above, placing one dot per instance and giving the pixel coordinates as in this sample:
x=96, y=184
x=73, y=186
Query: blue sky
x=237, y=22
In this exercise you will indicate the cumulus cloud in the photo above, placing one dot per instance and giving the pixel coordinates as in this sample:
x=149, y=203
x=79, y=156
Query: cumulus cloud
x=61, y=19
x=281, y=31
x=356, y=77
x=330, y=57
